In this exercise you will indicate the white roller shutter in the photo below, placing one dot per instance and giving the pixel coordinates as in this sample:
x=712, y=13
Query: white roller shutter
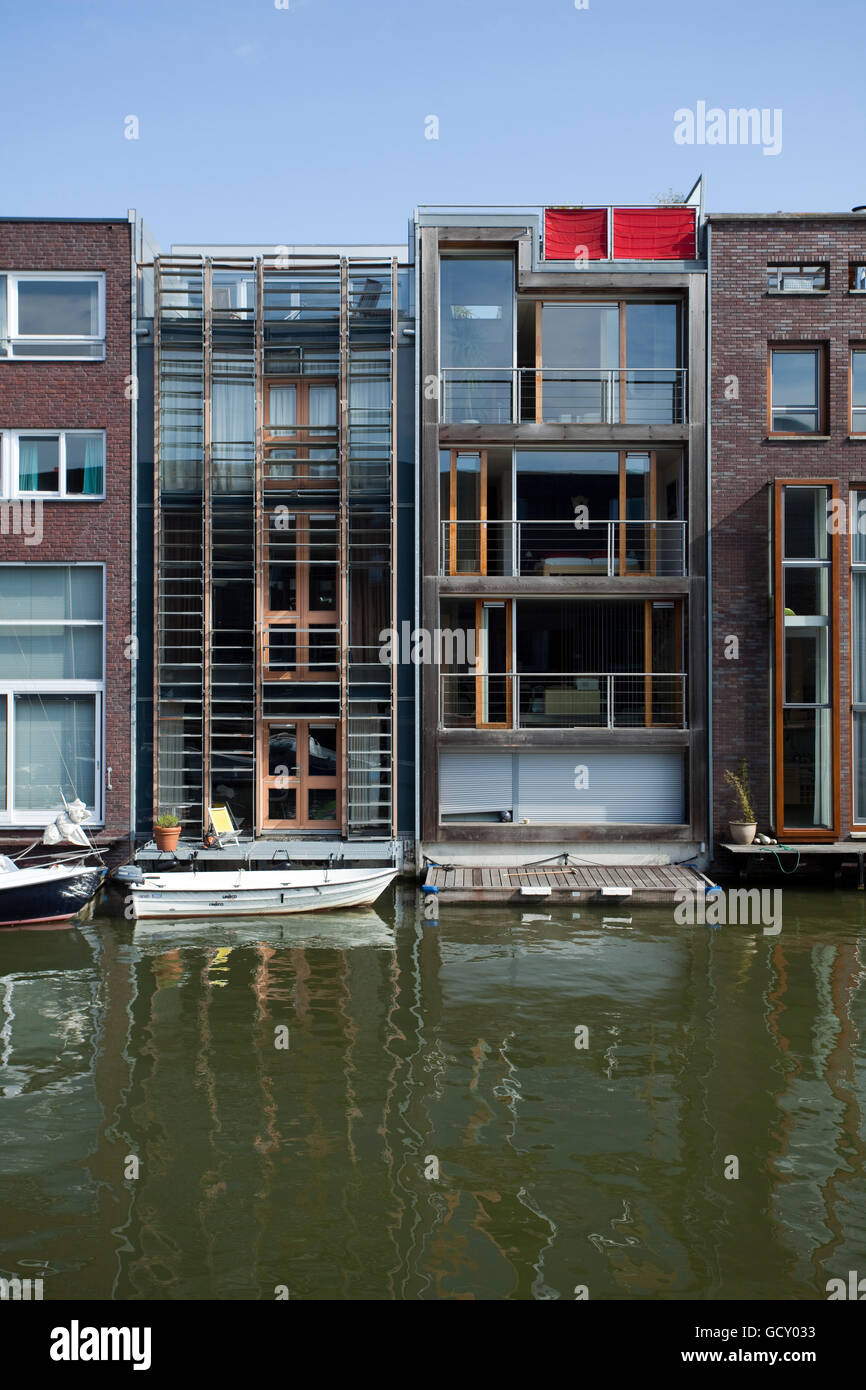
x=473, y=783
x=622, y=788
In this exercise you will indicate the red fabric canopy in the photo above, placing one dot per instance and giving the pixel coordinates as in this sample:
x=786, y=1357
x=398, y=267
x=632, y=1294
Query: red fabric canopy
x=654, y=234
x=567, y=231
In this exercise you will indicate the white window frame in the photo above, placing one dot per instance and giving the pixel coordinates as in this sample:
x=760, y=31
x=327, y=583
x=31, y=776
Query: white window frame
x=10, y=689
x=9, y=335
x=9, y=465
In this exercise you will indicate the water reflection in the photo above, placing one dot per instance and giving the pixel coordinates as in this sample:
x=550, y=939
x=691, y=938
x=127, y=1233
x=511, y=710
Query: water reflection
x=432, y=1129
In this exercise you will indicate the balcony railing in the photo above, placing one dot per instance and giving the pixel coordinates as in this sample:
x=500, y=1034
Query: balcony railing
x=563, y=395
x=551, y=548
x=575, y=700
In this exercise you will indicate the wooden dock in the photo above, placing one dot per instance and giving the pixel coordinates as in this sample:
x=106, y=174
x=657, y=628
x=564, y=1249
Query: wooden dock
x=608, y=884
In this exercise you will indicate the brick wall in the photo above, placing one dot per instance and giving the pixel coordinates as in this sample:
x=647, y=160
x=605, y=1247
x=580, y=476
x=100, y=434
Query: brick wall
x=744, y=465
x=84, y=395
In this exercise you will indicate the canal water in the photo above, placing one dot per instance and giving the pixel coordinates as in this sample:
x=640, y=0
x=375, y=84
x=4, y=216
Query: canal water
x=500, y=1105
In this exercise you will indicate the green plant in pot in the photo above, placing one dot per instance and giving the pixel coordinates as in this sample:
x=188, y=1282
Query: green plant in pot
x=166, y=831
x=744, y=828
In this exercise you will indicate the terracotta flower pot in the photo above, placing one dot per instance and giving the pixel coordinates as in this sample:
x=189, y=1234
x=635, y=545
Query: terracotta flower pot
x=742, y=832
x=166, y=836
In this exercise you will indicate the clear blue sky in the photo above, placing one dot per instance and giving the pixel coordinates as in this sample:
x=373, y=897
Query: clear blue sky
x=308, y=124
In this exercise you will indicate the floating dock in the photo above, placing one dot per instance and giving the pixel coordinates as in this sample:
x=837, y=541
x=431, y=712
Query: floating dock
x=608, y=884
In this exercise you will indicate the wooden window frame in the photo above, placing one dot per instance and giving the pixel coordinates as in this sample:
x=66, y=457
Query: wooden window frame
x=302, y=436
x=812, y=834
x=508, y=674
x=453, y=519
x=855, y=490
x=820, y=349
x=302, y=783
x=858, y=348
x=301, y=618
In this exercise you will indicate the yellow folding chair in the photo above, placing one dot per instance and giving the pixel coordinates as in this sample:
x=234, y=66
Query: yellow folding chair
x=223, y=826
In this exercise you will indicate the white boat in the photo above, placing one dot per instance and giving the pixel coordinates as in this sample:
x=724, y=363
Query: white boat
x=256, y=892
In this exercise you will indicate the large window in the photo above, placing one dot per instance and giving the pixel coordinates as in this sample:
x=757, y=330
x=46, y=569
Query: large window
x=53, y=463
x=796, y=390
x=612, y=362
x=805, y=622
x=477, y=338
x=52, y=315
x=858, y=659
x=300, y=432
x=51, y=687
x=300, y=766
x=858, y=390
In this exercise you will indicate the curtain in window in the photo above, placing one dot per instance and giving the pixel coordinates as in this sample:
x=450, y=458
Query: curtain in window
x=234, y=432
x=92, y=485
x=28, y=465
x=282, y=406
x=323, y=406
x=55, y=750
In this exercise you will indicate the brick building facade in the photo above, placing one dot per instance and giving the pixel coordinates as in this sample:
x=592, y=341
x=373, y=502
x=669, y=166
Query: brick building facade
x=66, y=541
x=788, y=458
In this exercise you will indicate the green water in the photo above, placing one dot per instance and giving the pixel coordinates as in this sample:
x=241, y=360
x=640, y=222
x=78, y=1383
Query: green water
x=432, y=1131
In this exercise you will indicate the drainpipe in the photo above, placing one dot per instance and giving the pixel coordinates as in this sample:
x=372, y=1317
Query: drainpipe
x=709, y=318
x=416, y=280
x=133, y=548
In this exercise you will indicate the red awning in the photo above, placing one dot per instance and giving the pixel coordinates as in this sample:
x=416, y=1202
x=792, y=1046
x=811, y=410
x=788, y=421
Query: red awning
x=572, y=234
x=654, y=234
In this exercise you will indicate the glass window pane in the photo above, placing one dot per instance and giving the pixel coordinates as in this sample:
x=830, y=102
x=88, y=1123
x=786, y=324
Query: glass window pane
x=323, y=406
x=805, y=523
x=806, y=768
x=860, y=767
x=282, y=405
x=282, y=803
x=55, y=751
x=806, y=591
x=50, y=653
x=51, y=591
x=858, y=380
x=807, y=676
x=39, y=463
x=282, y=751
x=322, y=804
x=234, y=412
x=651, y=335
x=85, y=457
x=322, y=751
x=3, y=731
x=477, y=325
x=795, y=379
x=580, y=335
x=48, y=308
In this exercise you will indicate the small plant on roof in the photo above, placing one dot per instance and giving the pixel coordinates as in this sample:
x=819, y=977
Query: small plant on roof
x=166, y=821
x=739, y=783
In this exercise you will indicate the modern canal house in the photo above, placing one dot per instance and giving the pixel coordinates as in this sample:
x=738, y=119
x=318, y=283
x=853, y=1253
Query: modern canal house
x=562, y=532
x=67, y=541
x=274, y=476
x=788, y=446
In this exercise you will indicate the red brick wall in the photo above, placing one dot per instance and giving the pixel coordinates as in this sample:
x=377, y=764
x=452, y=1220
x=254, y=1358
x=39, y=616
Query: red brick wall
x=744, y=320
x=85, y=395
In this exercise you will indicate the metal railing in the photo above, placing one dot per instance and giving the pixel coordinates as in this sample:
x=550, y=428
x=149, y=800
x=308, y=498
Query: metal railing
x=563, y=395
x=606, y=548
x=573, y=700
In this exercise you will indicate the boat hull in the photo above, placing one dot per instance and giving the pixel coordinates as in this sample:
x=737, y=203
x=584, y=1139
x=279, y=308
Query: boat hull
x=250, y=893
x=55, y=896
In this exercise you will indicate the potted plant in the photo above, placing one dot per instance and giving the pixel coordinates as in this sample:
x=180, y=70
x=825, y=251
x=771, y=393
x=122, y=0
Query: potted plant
x=166, y=831
x=743, y=830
